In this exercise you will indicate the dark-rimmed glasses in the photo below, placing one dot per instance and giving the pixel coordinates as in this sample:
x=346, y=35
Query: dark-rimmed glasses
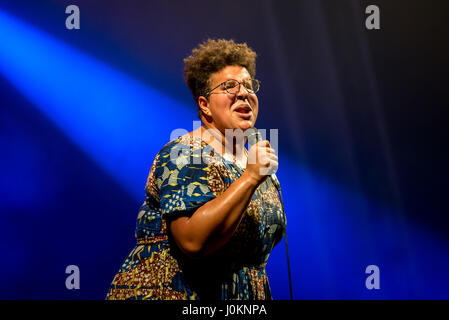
x=232, y=86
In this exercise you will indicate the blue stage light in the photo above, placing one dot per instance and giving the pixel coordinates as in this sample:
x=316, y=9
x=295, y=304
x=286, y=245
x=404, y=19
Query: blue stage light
x=122, y=123
x=118, y=121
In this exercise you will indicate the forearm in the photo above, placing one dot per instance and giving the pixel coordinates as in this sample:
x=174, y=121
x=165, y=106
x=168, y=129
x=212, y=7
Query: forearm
x=214, y=223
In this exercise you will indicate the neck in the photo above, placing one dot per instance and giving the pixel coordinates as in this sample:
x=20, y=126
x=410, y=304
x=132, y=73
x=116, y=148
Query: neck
x=231, y=147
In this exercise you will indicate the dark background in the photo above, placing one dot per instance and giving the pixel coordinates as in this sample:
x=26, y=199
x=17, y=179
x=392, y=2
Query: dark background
x=362, y=118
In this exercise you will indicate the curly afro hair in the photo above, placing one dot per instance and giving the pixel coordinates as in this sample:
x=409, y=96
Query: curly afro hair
x=212, y=56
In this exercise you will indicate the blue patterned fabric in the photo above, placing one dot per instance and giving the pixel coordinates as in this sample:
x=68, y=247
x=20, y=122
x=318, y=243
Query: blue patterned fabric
x=186, y=174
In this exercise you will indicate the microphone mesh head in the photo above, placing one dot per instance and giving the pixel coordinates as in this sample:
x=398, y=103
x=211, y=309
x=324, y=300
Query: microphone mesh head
x=253, y=135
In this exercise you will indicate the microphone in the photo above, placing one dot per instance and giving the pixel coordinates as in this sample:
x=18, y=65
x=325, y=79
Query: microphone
x=254, y=136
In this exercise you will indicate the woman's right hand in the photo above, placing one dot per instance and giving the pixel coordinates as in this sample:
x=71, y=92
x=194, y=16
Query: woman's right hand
x=262, y=161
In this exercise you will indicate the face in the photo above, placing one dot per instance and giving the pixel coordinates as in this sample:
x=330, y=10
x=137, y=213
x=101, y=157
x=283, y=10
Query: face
x=230, y=111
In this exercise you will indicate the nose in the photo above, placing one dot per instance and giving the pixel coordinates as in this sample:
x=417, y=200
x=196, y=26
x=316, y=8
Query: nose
x=243, y=93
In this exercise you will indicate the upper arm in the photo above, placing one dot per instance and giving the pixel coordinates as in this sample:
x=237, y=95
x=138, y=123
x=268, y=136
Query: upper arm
x=179, y=228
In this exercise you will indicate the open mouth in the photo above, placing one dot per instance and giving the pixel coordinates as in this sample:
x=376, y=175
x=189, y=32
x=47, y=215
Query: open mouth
x=244, y=110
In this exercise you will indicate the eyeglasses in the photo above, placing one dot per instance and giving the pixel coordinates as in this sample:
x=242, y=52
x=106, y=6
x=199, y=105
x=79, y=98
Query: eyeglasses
x=232, y=86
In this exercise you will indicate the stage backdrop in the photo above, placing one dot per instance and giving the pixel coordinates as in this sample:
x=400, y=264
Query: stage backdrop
x=362, y=116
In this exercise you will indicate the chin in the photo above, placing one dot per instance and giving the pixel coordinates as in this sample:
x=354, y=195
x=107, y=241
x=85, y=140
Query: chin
x=246, y=125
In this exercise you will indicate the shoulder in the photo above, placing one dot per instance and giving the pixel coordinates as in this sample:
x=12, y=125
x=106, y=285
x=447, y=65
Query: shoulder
x=189, y=151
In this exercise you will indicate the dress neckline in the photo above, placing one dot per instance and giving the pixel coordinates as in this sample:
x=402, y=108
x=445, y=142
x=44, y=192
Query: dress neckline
x=203, y=144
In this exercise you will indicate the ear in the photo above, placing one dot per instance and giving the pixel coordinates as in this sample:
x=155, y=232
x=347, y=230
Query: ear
x=204, y=106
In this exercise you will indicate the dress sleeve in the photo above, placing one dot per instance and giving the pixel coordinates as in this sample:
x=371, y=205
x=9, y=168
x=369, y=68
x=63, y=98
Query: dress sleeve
x=184, y=186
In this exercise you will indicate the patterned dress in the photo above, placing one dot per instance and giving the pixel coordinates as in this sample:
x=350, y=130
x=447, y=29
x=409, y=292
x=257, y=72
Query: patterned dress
x=157, y=269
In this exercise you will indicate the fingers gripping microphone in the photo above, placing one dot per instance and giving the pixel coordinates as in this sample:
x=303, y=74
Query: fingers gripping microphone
x=254, y=136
